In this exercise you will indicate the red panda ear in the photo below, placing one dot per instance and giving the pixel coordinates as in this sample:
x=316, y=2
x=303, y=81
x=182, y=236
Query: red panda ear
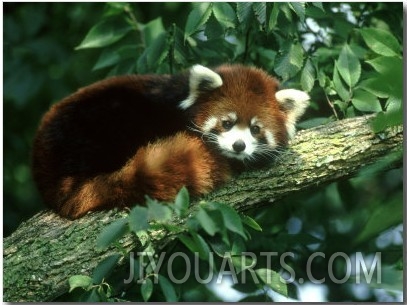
x=293, y=103
x=201, y=79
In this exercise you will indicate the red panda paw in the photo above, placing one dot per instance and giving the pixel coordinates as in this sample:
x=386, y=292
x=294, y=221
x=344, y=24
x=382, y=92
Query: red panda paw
x=164, y=167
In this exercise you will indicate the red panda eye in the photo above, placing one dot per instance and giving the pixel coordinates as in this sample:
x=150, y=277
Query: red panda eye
x=255, y=130
x=227, y=124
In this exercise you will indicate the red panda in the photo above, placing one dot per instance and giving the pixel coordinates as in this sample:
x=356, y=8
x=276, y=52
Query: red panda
x=113, y=142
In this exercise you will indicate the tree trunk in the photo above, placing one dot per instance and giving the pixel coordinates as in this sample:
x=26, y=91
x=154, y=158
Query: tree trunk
x=46, y=250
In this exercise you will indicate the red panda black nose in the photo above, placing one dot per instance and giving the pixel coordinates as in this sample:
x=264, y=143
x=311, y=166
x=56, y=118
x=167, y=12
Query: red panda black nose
x=239, y=146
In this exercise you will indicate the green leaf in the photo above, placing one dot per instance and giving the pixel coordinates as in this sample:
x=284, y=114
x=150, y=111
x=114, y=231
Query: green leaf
x=259, y=9
x=206, y=222
x=181, y=203
x=180, y=48
x=387, y=65
x=213, y=29
x=273, y=280
x=197, y=18
x=381, y=42
x=189, y=242
x=157, y=51
x=339, y=87
x=225, y=14
x=247, y=220
x=202, y=246
x=348, y=66
x=273, y=16
x=391, y=74
x=158, y=212
x=318, y=5
x=231, y=218
x=104, y=268
x=289, y=60
x=365, y=101
x=138, y=219
x=382, y=218
x=111, y=233
x=377, y=86
x=243, y=10
x=238, y=245
x=167, y=288
x=196, y=244
x=106, y=59
x=146, y=289
x=82, y=281
x=105, y=33
x=152, y=30
x=387, y=119
x=308, y=76
x=299, y=9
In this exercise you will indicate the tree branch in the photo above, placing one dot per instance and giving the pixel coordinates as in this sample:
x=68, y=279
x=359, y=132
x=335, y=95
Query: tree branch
x=46, y=250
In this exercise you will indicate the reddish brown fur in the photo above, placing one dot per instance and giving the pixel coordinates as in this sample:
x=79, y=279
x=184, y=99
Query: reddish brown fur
x=111, y=143
x=159, y=170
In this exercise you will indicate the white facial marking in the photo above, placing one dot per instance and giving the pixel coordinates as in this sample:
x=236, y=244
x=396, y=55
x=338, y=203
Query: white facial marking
x=228, y=138
x=230, y=116
x=199, y=75
x=297, y=96
x=295, y=102
x=209, y=124
x=270, y=138
x=255, y=122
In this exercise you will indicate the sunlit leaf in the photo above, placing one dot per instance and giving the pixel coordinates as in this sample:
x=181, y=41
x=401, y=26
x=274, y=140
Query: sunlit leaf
x=308, y=76
x=231, y=218
x=381, y=41
x=243, y=10
x=247, y=220
x=196, y=244
x=207, y=222
x=202, y=246
x=105, y=33
x=181, y=203
x=273, y=280
x=289, y=60
x=158, y=212
x=197, y=18
x=152, y=30
x=138, y=219
x=82, y=281
x=299, y=9
x=259, y=9
x=339, y=87
x=225, y=14
x=365, y=101
x=273, y=16
x=348, y=66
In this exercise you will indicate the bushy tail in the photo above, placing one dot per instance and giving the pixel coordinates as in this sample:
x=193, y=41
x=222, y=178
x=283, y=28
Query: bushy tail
x=159, y=170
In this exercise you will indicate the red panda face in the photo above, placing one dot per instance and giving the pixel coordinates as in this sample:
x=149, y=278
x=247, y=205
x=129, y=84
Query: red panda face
x=235, y=137
x=239, y=111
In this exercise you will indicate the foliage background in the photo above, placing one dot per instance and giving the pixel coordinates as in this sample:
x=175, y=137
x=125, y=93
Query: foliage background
x=338, y=62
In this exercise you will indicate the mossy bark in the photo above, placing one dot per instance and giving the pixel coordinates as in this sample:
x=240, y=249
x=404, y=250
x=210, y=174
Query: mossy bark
x=41, y=255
